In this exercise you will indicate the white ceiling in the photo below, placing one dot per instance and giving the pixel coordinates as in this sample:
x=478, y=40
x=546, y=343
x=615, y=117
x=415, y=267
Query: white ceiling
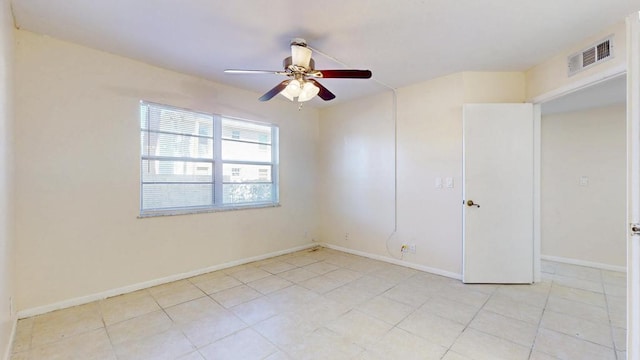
x=610, y=92
x=402, y=42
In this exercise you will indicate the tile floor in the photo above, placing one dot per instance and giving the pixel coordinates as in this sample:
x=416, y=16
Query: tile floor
x=326, y=304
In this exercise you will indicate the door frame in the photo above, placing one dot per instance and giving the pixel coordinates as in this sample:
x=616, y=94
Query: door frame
x=633, y=185
x=537, y=101
x=632, y=70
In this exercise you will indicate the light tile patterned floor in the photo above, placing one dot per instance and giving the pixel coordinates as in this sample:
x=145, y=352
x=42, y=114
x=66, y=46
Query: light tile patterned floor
x=326, y=304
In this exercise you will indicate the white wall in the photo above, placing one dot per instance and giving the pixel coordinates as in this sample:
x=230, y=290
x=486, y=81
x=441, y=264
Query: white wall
x=6, y=176
x=356, y=162
x=357, y=167
x=584, y=223
x=77, y=175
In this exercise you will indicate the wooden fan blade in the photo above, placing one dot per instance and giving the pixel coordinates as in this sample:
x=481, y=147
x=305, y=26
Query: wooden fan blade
x=234, y=71
x=343, y=74
x=275, y=91
x=324, y=93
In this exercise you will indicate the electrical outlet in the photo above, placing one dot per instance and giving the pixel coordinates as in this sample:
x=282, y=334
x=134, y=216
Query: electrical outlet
x=404, y=248
x=306, y=234
x=412, y=248
x=346, y=236
x=10, y=305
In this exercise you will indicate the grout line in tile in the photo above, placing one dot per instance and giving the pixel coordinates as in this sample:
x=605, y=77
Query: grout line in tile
x=470, y=321
x=606, y=303
x=286, y=350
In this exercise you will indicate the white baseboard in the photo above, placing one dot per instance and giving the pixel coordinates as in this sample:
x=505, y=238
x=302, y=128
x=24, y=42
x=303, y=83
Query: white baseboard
x=147, y=284
x=395, y=261
x=12, y=337
x=584, y=263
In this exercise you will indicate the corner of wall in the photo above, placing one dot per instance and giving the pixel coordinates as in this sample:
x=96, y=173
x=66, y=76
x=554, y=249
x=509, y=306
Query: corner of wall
x=8, y=319
x=506, y=86
x=112, y=86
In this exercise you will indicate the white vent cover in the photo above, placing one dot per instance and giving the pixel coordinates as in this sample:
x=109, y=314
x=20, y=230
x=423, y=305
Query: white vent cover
x=594, y=54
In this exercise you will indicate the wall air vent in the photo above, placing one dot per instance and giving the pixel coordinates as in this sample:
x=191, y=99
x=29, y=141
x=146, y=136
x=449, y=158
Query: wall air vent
x=594, y=54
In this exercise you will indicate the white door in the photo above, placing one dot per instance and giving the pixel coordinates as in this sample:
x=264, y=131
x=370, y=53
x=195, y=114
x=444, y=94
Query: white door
x=633, y=185
x=498, y=193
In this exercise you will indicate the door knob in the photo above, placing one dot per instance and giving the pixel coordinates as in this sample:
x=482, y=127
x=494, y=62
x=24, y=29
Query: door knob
x=471, y=203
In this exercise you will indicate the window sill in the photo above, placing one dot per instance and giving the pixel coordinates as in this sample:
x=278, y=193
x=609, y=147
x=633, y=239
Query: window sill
x=204, y=211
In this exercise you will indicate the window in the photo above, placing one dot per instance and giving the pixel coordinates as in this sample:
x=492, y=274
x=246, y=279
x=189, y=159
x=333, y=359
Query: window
x=263, y=174
x=193, y=161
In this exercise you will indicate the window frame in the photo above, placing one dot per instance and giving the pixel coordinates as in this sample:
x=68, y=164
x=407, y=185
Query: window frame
x=217, y=163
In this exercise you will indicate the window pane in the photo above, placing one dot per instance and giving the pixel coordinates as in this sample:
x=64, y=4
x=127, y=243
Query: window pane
x=176, y=171
x=246, y=131
x=246, y=173
x=159, y=196
x=144, y=116
x=178, y=163
x=244, y=193
x=234, y=150
x=155, y=144
x=177, y=121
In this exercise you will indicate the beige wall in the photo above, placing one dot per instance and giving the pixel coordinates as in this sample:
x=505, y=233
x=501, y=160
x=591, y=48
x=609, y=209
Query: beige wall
x=77, y=176
x=585, y=223
x=6, y=176
x=551, y=75
x=357, y=167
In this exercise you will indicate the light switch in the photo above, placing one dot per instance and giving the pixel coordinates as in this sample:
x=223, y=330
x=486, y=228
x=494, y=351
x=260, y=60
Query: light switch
x=449, y=182
x=438, y=183
x=584, y=181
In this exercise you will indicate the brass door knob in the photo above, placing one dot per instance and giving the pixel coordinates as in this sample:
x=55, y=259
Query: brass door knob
x=471, y=203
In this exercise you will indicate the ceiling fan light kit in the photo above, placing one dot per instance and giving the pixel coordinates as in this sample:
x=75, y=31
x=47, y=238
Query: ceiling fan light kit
x=309, y=91
x=300, y=68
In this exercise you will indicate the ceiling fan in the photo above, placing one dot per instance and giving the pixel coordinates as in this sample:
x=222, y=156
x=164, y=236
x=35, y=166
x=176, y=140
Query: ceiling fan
x=301, y=83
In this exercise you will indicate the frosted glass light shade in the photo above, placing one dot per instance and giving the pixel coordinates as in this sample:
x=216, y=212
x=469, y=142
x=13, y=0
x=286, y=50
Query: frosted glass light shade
x=286, y=94
x=292, y=90
x=309, y=90
x=300, y=55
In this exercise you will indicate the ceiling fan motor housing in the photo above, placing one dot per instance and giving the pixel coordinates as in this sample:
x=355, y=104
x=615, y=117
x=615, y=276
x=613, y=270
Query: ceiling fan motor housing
x=288, y=61
x=298, y=42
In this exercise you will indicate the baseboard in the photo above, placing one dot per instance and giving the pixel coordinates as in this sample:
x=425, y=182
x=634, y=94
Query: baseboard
x=147, y=284
x=584, y=263
x=143, y=285
x=12, y=337
x=395, y=261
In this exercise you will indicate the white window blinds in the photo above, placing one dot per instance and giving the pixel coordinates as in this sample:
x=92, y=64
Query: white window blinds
x=194, y=161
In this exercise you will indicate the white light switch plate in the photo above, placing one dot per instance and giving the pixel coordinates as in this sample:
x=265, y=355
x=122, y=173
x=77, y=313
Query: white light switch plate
x=449, y=182
x=584, y=181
